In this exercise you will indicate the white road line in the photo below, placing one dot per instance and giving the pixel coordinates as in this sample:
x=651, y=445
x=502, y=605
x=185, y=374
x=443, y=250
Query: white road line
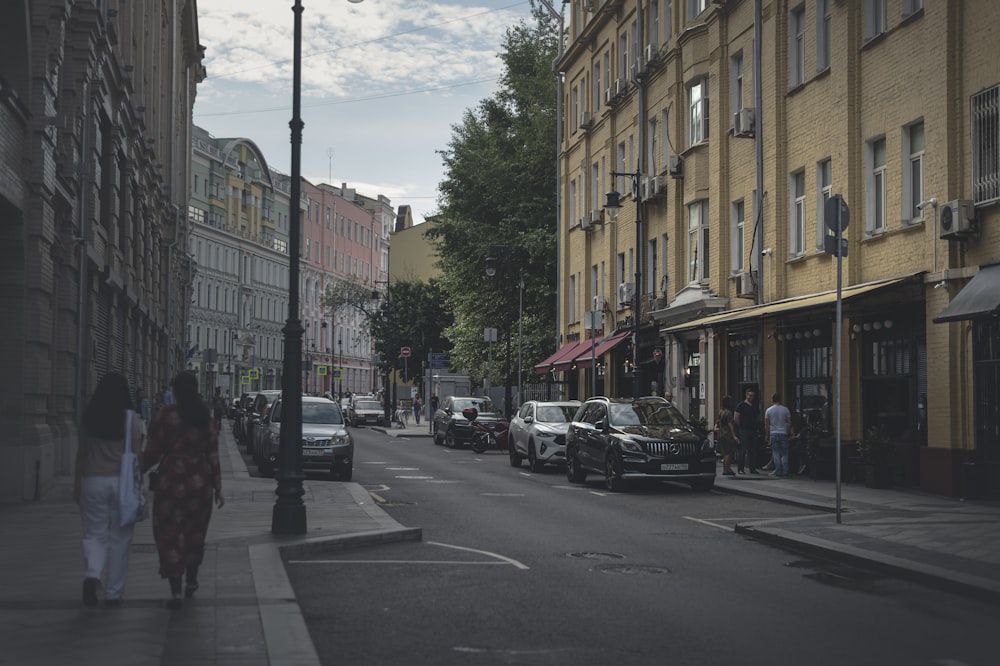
x=414, y=477
x=492, y=564
x=502, y=494
x=481, y=552
x=402, y=469
x=728, y=528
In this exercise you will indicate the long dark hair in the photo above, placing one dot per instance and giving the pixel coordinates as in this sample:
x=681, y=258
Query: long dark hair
x=104, y=416
x=727, y=402
x=193, y=410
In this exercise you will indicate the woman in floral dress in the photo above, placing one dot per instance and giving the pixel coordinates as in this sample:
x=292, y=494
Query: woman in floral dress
x=184, y=442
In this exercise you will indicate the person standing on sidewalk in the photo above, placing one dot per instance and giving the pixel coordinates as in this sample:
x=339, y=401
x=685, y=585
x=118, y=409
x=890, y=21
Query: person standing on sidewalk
x=418, y=406
x=106, y=542
x=728, y=439
x=184, y=443
x=747, y=424
x=779, y=426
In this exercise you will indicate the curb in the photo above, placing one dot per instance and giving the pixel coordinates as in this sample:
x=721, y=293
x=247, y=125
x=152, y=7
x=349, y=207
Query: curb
x=955, y=582
x=807, y=503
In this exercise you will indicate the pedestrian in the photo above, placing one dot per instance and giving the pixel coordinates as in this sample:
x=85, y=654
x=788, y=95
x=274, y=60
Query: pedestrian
x=218, y=407
x=668, y=395
x=728, y=438
x=747, y=424
x=184, y=445
x=168, y=396
x=434, y=404
x=418, y=405
x=779, y=422
x=157, y=404
x=106, y=541
x=142, y=405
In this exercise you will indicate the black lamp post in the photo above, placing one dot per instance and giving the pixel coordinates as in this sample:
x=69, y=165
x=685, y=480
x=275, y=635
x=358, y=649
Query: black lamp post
x=613, y=203
x=491, y=271
x=340, y=344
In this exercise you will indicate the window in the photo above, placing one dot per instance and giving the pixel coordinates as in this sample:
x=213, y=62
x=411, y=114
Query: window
x=735, y=84
x=667, y=13
x=620, y=168
x=822, y=35
x=597, y=87
x=698, y=112
x=664, y=279
x=738, y=231
x=875, y=20
x=797, y=47
x=985, y=116
x=607, y=72
x=698, y=250
x=797, y=230
x=651, y=267
x=824, y=191
x=913, y=173
x=623, y=57
x=654, y=23
x=620, y=273
x=653, y=153
x=875, y=218
x=572, y=299
x=574, y=109
x=911, y=7
x=595, y=187
x=696, y=7
x=573, y=217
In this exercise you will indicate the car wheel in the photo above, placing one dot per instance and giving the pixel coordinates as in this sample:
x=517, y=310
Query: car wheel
x=574, y=473
x=703, y=485
x=534, y=463
x=515, y=457
x=613, y=474
x=449, y=438
x=438, y=440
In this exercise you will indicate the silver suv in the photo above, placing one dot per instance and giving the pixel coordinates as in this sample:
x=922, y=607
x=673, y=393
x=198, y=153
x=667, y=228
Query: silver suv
x=327, y=445
x=538, y=433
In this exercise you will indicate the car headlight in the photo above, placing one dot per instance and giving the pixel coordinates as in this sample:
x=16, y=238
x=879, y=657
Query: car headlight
x=340, y=440
x=545, y=432
x=630, y=446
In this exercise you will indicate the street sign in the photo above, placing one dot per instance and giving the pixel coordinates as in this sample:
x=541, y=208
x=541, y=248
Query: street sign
x=439, y=360
x=405, y=351
x=336, y=374
x=489, y=335
x=321, y=370
x=254, y=374
x=245, y=380
x=833, y=205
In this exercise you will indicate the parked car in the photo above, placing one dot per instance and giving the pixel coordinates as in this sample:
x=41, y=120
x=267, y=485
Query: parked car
x=538, y=433
x=327, y=445
x=644, y=438
x=452, y=429
x=367, y=411
x=255, y=415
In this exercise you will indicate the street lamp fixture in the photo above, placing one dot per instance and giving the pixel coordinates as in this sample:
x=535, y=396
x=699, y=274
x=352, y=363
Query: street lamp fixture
x=289, y=513
x=613, y=204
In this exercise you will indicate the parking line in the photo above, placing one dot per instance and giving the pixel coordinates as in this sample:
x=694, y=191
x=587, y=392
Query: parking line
x=481, y=552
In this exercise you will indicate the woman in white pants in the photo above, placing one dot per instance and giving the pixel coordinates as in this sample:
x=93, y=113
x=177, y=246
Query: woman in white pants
x=98, y=461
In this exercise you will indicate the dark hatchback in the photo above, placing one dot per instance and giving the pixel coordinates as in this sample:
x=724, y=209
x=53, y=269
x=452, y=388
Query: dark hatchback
x=647, y=438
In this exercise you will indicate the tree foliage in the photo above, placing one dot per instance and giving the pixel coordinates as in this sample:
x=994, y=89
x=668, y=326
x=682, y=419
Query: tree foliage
x=498, y=199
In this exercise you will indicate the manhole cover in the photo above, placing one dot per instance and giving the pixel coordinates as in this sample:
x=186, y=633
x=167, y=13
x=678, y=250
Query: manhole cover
x=631, y=569
x=596, y=556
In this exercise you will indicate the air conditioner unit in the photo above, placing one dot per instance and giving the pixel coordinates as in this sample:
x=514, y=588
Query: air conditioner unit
x=625, y=293
x=743, y=122
x=585, y=223
x=586, y=122
x=675, y=166
x=650, y=53
x=644, y=188
x=633, y=73
x=597, y=216
x=656, y=187
x=599, y=304
x=746, y=285
x=607, y=95
x=957, y=220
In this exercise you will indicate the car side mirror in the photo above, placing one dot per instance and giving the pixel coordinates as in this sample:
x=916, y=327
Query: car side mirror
x=529, y=419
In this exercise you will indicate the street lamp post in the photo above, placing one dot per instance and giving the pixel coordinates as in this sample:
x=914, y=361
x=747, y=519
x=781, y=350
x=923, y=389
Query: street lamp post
x=491, y=271
x=613, y=204
x=340, y=344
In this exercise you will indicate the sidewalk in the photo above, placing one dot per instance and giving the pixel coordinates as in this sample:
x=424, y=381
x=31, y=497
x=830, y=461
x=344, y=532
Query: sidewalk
x=245, y=612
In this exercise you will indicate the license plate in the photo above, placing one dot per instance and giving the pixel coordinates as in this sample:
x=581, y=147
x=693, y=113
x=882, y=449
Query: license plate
x=312, y=452
x=674, y=467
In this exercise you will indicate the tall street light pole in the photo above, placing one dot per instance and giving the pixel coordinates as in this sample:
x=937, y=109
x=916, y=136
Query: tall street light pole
x=491, y=270
x=613, y=204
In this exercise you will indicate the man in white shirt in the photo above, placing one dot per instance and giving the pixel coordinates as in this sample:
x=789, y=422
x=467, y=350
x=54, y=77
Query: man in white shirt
x=779, y=427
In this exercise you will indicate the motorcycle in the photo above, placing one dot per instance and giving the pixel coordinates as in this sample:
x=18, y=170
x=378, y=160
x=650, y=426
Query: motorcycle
x=485, y=436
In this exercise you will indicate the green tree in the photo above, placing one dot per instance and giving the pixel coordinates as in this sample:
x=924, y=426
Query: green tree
x=500, y=189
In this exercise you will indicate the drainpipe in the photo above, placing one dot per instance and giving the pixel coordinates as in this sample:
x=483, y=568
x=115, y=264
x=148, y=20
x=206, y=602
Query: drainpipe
x=84, y=259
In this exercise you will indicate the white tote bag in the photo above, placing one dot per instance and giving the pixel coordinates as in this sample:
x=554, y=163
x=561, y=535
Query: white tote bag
x=131, y=498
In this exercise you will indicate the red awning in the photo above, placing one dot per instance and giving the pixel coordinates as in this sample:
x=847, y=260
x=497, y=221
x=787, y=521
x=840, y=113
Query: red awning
x=565, y=362
x=603, y=346
x=562, y=354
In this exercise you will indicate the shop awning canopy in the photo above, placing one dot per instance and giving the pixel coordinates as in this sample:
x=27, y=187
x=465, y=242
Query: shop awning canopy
x=600, y=348
x=786, y=306
x=564, y=355
x=979, y=298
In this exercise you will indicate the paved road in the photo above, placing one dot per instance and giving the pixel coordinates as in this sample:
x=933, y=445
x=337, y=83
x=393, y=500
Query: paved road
x=523, y=568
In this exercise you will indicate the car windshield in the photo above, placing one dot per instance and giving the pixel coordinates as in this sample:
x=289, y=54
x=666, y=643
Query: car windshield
x=555, y=413
x=367, y=404
x=481, y=404
x=318, y=412
x=645, y=413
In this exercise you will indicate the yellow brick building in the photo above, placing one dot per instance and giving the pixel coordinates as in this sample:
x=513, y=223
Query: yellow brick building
x=707, y=289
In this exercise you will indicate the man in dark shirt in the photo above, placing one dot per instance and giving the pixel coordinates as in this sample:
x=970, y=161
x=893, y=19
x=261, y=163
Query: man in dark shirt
x=747, y=423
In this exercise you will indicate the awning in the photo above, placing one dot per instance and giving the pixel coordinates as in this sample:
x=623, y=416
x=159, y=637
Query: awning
x=979, y=298
x=566, y=362
x=564, y=353
x=786, y=306
x=602, y=347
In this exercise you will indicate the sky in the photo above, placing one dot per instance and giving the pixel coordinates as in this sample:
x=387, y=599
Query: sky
x=383, y=82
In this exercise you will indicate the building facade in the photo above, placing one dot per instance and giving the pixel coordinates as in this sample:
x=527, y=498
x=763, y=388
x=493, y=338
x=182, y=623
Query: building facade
x=95, y=118
x=733, y=126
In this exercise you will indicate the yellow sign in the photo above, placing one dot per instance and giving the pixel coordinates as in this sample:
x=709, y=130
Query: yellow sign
x=245, y=380
x=321, y=370
x=254, y=373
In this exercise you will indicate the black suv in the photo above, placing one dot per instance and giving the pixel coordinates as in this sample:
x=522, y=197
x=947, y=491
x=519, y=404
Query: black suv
x=644, y=438
x=451, y=428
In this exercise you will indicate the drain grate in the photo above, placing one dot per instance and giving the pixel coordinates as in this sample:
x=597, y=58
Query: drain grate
x=585, y=555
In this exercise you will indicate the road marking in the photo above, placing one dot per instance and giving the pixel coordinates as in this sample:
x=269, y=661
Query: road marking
x=481, y=552
x=525, y=474
x=380, y=487
x=402, y=469
x=378, y=498
x=492, y=564
x=444, y=481
x=728, y=528
x=418, y=478
x=502, y=494
x=375, y=462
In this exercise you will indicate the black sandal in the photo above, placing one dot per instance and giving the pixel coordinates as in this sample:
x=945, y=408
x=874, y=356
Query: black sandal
x=190, y=589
